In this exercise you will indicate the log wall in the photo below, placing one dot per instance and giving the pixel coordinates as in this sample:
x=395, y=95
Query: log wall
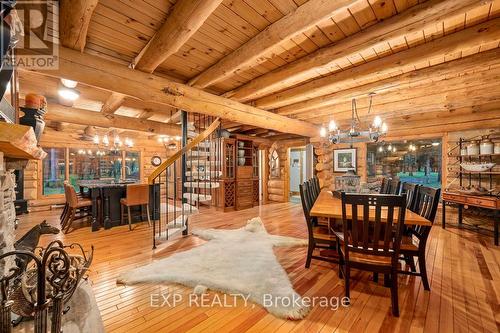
x=277, y=187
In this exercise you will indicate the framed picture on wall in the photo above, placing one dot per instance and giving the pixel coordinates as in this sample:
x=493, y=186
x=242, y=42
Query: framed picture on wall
x=344, y=160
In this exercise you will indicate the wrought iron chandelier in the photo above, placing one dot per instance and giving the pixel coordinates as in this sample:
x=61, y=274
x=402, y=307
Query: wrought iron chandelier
x=354, y=134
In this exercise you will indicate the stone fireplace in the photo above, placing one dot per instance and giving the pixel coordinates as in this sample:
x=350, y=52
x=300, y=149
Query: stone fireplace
x=7, y=214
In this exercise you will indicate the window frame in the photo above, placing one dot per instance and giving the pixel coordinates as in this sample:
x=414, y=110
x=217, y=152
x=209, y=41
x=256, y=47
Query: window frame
x=40, y=193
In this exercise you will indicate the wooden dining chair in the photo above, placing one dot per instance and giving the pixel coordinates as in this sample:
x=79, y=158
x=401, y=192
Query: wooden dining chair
x=413, y=246
x=316, y=187
x=311, y=195
x=384, y=187
x=394, y=187
x=319, y=236
x=372, y=246
x=411, y=191
x=77, y=207
x=137, y=195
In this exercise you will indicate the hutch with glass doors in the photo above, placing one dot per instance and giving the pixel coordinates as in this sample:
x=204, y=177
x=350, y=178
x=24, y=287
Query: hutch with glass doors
x=239, y=183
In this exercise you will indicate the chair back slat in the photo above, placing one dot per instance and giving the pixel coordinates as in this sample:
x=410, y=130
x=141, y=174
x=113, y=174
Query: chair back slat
x=427, y=202
x=310, y=193
x=377, y=227
x=426, y=206
x=394, y=187
x=388, y=228
x=366, y=225
x=411, y=191
x=306, y=207
x=365, y=236
x=384, y=187
x=354, y=224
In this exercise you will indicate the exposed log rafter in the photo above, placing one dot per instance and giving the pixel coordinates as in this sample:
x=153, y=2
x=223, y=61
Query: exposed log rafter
x=108, y=75
x=298, y=21
x=113, y=103
x=184, y=20
x=467, y=39
x=84, y=117
x=74, y=20
x=425, y=77
x=414, y=19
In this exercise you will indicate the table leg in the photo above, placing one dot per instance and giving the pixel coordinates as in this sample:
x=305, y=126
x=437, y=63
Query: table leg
x=95, y=220
x=496, y=221
x=107, y=220
x=460, y=211
x=443, y=221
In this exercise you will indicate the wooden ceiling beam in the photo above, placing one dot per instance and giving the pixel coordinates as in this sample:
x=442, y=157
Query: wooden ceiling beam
x=146, y=114
x=412, y=80
x=175, y=118
x=429, y=103
x=414, y=19
x=184, y=20
x=108, y=75
x=391, y=65
x=84, y=117
x=256, y=131
x=406, y=96
x=296, y=22
x=113, y=103
x=74, y=20
x=473, y=111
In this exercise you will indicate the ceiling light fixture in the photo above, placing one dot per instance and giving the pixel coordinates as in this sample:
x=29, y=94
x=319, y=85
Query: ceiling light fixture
x=69, y=83
x=353, y=134
x=69, y=94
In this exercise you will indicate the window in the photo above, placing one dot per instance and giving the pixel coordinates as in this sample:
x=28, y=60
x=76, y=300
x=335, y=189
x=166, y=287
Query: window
x=87, y=164
x=409, y=161
x=54, y=171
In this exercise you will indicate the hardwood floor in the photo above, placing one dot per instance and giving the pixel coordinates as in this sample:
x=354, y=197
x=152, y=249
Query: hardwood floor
x=463, y=268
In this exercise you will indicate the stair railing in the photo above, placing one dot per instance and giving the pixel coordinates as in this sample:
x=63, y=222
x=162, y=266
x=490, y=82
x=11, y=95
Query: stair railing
x=168, y=217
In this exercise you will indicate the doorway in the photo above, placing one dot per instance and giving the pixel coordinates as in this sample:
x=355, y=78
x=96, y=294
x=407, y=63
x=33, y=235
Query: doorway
x=297, y=172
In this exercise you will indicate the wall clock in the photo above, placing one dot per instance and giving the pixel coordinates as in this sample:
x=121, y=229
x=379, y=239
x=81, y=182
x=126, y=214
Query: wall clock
x=156, y=160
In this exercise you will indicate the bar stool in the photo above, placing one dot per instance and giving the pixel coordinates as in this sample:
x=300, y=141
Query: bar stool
x=137, y=195
x=75, y=204
x=65, y=211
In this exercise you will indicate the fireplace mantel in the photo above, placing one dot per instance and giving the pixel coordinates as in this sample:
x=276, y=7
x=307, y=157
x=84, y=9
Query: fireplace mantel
x=19, y=142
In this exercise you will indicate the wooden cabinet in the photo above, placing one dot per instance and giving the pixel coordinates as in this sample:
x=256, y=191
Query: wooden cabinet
x=239, y=184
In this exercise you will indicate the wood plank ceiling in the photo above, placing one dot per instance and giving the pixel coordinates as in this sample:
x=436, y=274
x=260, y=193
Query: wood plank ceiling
x=396, y=48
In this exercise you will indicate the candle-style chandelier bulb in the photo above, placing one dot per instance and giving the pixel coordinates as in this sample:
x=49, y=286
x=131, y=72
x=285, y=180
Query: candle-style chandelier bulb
x=332, y=126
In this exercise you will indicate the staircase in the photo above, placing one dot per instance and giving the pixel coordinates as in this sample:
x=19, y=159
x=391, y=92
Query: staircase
x=188, y=179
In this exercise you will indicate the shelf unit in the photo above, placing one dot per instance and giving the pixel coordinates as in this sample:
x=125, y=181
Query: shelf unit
x=482, y=177
x=489, y=201
x=239, y=184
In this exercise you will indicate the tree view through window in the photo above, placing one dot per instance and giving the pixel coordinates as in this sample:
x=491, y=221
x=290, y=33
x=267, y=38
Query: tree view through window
x=409, y=161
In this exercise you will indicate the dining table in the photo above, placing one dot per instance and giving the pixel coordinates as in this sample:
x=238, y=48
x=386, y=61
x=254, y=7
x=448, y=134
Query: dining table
x=329, y=205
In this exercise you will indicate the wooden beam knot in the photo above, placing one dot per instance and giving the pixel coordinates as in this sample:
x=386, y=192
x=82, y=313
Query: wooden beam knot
x=172, y=91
